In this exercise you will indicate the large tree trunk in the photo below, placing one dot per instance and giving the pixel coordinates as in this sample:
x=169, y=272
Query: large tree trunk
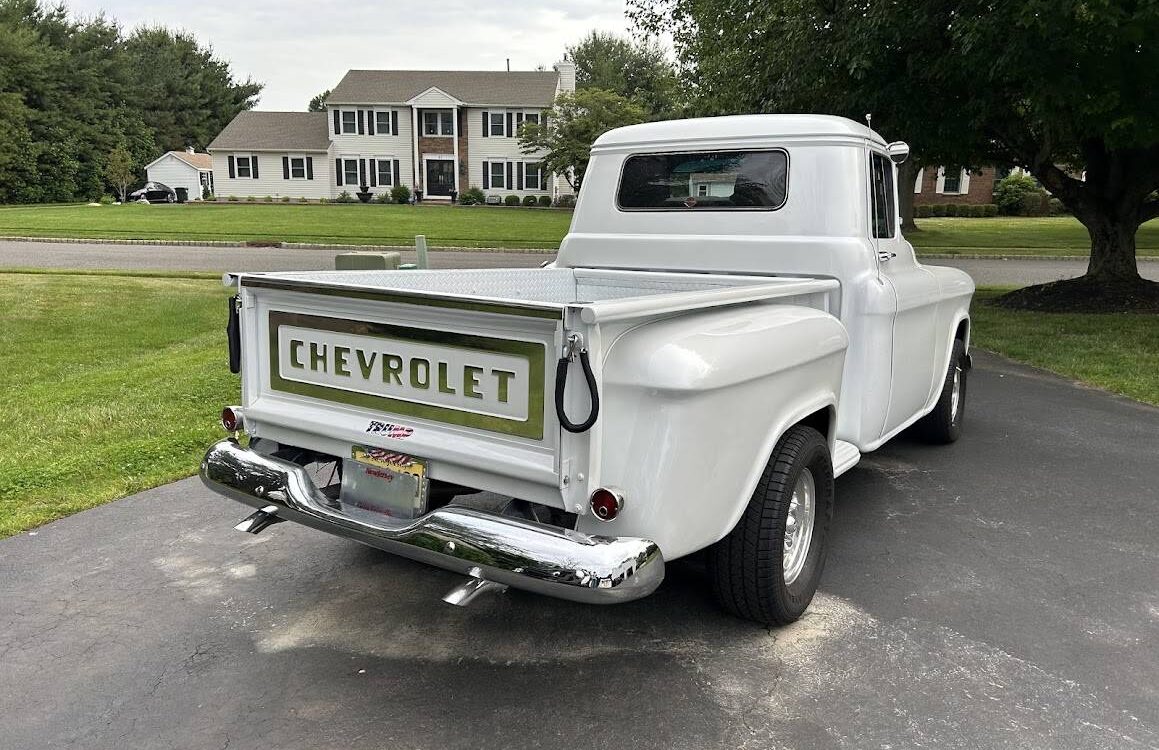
x=1112, y=247
x=906, y=175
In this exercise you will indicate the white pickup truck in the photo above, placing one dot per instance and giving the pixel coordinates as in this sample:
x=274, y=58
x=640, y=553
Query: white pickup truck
x=733, y=319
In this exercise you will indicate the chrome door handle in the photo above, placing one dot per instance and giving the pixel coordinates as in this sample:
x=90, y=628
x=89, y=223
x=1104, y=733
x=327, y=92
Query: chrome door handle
x=885, y=255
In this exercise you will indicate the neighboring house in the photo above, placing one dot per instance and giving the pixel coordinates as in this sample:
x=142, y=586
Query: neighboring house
x=183, y=169
x=954, y=185
x=435, y=131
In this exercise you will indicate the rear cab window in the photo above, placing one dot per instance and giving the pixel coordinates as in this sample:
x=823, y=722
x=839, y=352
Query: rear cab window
x=705, y=180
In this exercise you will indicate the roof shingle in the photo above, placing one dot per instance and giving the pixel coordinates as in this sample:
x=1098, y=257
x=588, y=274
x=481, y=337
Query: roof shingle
x=274, y=131
x=478, y=87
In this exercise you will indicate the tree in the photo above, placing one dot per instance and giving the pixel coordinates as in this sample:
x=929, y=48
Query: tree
x=1059, y=87
x=640, y=72
x=119, y=170
x=318, y=103
x=567, y=130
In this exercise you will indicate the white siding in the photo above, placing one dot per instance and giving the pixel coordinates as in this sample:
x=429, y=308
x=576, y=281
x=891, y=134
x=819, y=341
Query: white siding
x=376, y=146
x=171, y=171
x=270, y=181
x=495, y=148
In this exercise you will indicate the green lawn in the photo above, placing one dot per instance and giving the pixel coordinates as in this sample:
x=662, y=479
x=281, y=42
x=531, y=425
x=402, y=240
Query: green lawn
x=1119, y=353
x=112, y=384
x=475, y=226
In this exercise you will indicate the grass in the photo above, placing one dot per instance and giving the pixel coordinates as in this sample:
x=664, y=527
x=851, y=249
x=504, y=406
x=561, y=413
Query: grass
x=112, y=383
x=478, y=226
x=340, y=224
x=1116, y=352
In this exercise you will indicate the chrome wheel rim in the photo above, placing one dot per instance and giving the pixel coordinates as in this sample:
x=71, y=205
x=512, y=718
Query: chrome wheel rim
x=799, y=526
x=956, y=394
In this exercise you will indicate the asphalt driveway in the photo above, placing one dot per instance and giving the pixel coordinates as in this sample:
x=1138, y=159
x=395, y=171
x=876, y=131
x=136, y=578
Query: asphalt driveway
x=1000, y=592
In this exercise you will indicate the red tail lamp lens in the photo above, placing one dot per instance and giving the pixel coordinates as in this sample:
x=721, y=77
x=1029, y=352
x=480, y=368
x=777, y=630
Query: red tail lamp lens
x=607, y=503
x=231, y=419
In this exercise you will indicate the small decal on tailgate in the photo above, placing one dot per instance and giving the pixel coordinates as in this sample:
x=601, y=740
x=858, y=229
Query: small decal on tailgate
x=396, y=431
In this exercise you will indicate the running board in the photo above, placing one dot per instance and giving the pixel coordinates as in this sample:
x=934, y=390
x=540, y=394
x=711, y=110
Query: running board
x=845, y=457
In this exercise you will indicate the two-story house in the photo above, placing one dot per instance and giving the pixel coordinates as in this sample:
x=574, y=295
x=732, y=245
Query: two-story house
x=438, y=132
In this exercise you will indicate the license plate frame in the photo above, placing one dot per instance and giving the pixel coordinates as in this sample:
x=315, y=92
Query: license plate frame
x=384, y=483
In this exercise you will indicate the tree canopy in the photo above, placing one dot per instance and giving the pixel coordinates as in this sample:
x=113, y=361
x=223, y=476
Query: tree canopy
x=568, y=129
x=1061, y=87
x=640, y=72
x=72, y=91
x=318, y=103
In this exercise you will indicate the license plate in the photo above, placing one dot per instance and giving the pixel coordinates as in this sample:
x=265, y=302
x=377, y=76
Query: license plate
x=384, y=482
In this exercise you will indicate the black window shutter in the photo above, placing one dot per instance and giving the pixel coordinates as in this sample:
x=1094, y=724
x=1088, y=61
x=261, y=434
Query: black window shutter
x=254, y=166
x=518, y=122
x=374, y=173
x=338, y=171
x=285, y=167
x=362, y=171
x=361, y=126
x=486, y=124
x=518, y=175
x=394, y=122
x=309, y=167
x=397, y=174
x=232, y=167
x=510, y=125
x=337, y=122
x=371, y=116
x=509, y=171
x=486, y=175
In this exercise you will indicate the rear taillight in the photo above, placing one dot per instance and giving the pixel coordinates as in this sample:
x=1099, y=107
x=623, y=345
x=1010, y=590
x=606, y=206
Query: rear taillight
x=607, y=503
x=232, y=419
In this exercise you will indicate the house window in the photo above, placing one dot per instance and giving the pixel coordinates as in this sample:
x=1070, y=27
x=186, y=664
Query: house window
x=349, y=122
x=884, y=208
x=297, y=167
x=530, y=118
x=245, y=166
x=532, y=176
x=952, y=181
x=702, y=190
x=498, y=123
x=437, y=123
x=385, y=174
x=350, y=172
x=498, y=178
x=382, y=123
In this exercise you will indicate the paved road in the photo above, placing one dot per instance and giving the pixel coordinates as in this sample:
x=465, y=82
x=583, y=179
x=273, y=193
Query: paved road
x=997, y=593
x=218, y=259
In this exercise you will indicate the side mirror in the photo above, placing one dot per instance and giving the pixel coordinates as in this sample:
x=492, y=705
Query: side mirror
x=898, y=151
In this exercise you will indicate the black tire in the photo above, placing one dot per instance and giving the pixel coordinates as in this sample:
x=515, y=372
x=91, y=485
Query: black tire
x=943, y=425
x=747, y=566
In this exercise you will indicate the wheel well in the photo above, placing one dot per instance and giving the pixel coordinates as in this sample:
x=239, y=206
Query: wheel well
x=820, y=420
x=963, y=332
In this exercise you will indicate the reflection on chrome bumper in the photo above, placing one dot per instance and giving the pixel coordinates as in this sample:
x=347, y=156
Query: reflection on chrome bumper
x=522, y=554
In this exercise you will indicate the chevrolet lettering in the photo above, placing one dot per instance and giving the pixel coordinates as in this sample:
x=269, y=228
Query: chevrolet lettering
x=732, y=321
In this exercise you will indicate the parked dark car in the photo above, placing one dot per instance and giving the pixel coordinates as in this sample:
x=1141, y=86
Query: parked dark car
x=155, y=192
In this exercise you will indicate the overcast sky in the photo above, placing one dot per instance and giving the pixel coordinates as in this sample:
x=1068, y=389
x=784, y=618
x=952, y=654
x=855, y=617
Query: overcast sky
x=299, y=48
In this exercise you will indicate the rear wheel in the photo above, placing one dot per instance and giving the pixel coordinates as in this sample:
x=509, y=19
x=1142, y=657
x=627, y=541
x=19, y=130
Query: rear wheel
x=768, y=567
x=943, y=425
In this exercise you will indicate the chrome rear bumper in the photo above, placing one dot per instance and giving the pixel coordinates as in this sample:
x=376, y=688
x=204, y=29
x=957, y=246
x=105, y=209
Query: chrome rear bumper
x=510, y=551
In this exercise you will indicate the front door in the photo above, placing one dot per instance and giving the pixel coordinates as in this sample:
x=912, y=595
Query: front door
x=440, y=176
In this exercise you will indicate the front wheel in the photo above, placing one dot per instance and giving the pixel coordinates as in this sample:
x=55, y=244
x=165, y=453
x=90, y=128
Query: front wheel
x=768, y=567
x=943, y=425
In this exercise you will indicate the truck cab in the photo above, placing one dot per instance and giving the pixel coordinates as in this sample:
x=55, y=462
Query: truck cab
x=731, y=321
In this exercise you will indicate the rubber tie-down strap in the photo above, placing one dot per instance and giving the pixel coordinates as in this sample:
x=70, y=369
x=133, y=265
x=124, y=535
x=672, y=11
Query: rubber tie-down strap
x=561, y=384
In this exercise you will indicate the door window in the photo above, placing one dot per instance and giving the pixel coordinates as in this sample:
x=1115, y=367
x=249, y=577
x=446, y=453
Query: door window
x=884, y=207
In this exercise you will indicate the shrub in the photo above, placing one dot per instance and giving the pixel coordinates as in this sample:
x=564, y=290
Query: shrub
x=268, y=199
x=990, y=209
x=923, y=211
x=250, y=199
x=544, y=201
x=1011, y=192
x=952, y=209
x=938, y=210
x=1056, y=207
x=382, y=197
x=232, y=199
x=511, y=200
x=106, y=200
x=400, y=194
x=344, y=197
x=472, y=196
x=285, y=199
x=529, y=201
x=323, y=200
x=565, y=201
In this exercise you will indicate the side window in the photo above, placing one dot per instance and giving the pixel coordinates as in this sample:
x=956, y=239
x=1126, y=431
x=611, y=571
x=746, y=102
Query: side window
x=884, y=208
